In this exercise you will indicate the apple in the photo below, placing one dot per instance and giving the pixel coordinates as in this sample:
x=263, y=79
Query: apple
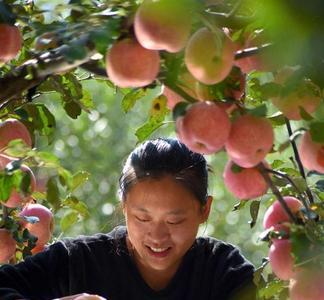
x=250, y=140
x=275, y=214
x=16, y=199
x=163, y=24
x=44, y=228
x=246, y=183
x=307, y=285
x=12, y=129
x=281, y=259
x=311, y=153
x=10, y=41
x=7, y=245
x=204, y=128
x=128, y=64
x=209, y=56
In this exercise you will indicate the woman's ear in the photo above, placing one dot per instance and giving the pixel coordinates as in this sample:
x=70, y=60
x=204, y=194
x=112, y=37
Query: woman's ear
x=206, y=209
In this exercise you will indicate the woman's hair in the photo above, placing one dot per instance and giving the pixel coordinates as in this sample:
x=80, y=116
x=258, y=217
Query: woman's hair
x=165, y=157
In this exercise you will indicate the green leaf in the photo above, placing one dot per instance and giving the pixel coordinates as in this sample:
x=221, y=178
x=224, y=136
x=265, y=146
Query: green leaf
x=259, y=111
x=236, y=168
x=143, y=132
x=317, y=132
x=73, y=109
x=7, y=182
x=320, y=185
x=77, y=205
x=86, y=100
x=180, y=110
x=79, y=179
x=53, y=194
x=254, y=211
x=272, y=288
x=304, y=114
x=68, y=220
x=40, y=119
x=131, y=98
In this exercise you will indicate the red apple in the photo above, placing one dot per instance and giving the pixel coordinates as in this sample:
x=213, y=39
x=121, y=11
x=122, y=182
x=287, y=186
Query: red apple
x=163, y=24
x=311, y=153
x=16, y=199
x=245, y=184
x=10, y=41
x=12, y=129
x=128, y=64
x=250, y=140
x=204, y=128
x=307, y=285
x=7, y=245
x=42, y=229
x=281, y=259
x=276, y=214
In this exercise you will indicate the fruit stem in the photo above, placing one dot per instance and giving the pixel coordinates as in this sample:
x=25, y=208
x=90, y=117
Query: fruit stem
x=297, y=158
x=275, y=191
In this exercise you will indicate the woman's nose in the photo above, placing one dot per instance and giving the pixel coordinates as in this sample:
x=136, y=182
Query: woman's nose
x=159, y=232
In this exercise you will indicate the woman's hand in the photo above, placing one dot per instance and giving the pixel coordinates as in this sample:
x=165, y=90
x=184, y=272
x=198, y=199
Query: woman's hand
x=83, y=296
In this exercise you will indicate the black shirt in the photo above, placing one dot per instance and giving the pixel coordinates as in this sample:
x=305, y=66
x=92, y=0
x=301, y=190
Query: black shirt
x=101, y=264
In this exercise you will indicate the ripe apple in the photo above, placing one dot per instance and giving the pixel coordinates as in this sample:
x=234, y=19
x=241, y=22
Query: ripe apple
x=10, y=41
x=16, y=199
x=209, y=56
x=307, y=285
x=246, y=183
x=281, y=259
x=7, y=245
x=311, y=153
x=204, y=128
x=44, y=228
x=12, y=129
x=276, y=214
x=163, y=24
x=250, y=140
x=128, y=64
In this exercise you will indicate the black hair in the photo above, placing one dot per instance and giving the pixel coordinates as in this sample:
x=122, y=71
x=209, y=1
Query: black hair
x=165, y=157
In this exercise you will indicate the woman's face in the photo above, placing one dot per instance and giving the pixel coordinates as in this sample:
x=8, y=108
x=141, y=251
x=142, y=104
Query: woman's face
x=162, y=219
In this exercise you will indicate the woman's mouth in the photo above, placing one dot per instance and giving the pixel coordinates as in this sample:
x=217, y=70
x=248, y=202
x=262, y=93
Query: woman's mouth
x=158, y=252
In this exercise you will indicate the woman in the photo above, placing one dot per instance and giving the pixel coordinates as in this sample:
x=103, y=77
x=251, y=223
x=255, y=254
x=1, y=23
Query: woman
x=163, y=188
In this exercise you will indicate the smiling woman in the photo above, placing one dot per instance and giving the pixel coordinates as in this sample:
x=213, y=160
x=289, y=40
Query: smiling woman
x=157, y=255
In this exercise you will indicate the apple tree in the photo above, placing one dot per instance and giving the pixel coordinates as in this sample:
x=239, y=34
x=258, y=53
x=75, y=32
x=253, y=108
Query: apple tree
x=230, y=75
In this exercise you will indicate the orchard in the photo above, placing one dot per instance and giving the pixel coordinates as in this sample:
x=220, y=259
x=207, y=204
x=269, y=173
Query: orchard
x=238, y=80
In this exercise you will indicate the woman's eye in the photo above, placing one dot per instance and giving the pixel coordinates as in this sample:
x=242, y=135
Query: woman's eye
x=142, y=220
x=175, y=222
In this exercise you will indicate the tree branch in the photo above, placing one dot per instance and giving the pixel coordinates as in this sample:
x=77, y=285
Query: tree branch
x=275, y=191
x=297, y=157
x=34, y=71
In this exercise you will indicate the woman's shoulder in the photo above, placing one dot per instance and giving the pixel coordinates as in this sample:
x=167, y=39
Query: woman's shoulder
x=214, y=249
x=111, y=240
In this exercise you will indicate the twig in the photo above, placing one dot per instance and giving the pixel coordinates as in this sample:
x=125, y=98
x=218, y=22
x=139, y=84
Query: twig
x=292, y=183
x=252, y=51
x=297, y=158
x=275, y=191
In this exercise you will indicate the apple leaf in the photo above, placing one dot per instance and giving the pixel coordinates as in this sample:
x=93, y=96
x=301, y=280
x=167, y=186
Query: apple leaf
x=68, y=220
x=53, y=194
x=254, y=211
x=131, y=98
x=317, y=132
